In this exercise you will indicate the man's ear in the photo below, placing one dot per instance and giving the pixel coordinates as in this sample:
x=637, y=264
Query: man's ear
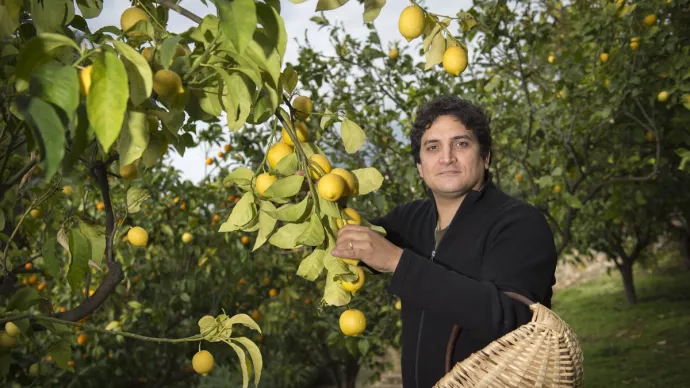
x=419, y=170
x=487, y=161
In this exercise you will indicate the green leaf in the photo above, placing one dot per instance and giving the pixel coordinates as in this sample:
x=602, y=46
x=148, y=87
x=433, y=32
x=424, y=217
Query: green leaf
x=311, y=266
x=209, y=101
x=168, y=49
x=289, y=79
x=255, y=353
x=134, y=137
x=156, y=147
x=96, y=236
x=2, y=219
x=435, y=54
x=51, y=15
x=328, y=119
x=242, y=319
x=314, y=234
x=5, y=354
x=363, y=346
x=265, y=56
x=9, y=17
x=243, y=212
x=327, y=5
x=267, y=224
x=23, y=299
x=49, y=131
x=82, y=132
x=90, y=8
x=236, y=99
x=241, y=176
x=685, y=157
x=273, y=25
x=467, y=21
x=285, y=187
x=139, y=73
x=335, y=294
x=61, y=352
x=329, y=208
x=334, y=265
x=294, y=212
x=286, y=236
x=135, y=198
x=492, y=84
x=686, y=100
x=49, y=259
x=80, y=253
x=107, y=100
x=243, y=363
x=297, y=1
x=353, y=136
x=57, y=84
x=372, y=9
x=237, y=21
x=288, y=165
x=368, y=179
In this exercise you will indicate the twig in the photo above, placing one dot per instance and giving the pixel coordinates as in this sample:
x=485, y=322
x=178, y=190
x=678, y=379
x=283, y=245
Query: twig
x=169, y=4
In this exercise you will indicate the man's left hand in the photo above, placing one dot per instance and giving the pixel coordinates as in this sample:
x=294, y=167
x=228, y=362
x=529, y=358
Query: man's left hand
x=359, y=242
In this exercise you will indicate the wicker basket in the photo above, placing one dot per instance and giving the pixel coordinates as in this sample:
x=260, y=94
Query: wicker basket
x=542, y=353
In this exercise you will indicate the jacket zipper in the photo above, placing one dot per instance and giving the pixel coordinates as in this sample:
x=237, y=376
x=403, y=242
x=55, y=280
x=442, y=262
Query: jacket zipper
x=419, y=338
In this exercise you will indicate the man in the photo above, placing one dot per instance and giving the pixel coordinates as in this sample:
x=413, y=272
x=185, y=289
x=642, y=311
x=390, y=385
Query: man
x=454, y=254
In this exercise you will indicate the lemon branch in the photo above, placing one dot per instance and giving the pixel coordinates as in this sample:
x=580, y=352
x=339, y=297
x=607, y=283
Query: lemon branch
x=35, y=317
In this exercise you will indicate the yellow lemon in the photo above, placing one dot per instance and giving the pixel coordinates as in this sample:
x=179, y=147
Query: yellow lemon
x=350, y=261
x=67, y=190
x=393, y=54
x=7, y=341
x=33, y=370
x=301, y=132
x=557, y=189
x=138, y=236
x=12, y=330
x=352, y=322
x=604, y=57
x=322, y=162
x=551, y=58
x=411, y=22
x=398, y=305
x=85, y=80
x=167, y=83
x=263, y=182
x=331, y=187
x=202, y=362
x=36, y=213
x=355, y=218
x=349, y=178
x=357, y=284
x=147, y=53
x=129, y=172
x=303, y=105
x=130, y=17
x=187, y=237
x=277, y=152
x=650, y=20
x=662, y=96
x=455, y=60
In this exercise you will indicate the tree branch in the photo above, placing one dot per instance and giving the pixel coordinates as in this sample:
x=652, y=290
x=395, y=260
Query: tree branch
x=169, y=4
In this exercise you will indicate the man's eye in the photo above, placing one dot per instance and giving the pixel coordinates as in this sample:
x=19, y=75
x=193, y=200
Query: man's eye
x=462, y=144
x=431, y=148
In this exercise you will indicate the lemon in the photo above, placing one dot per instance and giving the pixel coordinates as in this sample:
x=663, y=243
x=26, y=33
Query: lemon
x=130, y=17
x=153, y=122
x=551, y=58
x=557, y=189
x=12, y=330
x=393, y=54
x=455, y=60
x=147, y=53
x=129, y=172
x=167, y=83
x=604, y=57
x=36, y=213
x=349, y=178
x=357, y=284
x=398, y=305
x=662, y=96
x=67, y=190
x=7, y=341
x=322, y=162
x=277, y=152
x=331, y=187
x=263, y=182
x=85, y=80
x=301, y=132
x=138, y=236
x=202, y=362
x=187, y=237
x=634, y=43
x=650, y=20
x=411, y=22
x=355, y=218
x=303, y=105
x=352, y=322
x=33, y=370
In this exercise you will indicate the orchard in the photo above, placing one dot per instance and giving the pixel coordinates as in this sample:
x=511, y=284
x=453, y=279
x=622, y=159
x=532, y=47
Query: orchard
x=116, y=270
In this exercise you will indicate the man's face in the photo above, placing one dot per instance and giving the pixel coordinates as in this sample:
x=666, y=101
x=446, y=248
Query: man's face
x=450, y=162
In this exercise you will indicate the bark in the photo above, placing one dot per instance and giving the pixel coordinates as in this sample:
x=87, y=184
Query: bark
x=626, y=270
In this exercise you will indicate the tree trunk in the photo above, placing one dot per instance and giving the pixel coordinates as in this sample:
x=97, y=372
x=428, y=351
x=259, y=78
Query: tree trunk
x=351, y=372
x=626, y=269
x=685, y=249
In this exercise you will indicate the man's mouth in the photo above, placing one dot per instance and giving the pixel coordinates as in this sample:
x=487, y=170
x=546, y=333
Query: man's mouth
x=454, y=172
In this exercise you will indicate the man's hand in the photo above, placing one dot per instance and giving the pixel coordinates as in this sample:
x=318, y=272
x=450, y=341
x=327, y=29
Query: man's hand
x=359, y=242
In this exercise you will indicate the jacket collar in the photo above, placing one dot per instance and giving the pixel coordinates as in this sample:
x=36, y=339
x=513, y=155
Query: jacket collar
x=471, y=198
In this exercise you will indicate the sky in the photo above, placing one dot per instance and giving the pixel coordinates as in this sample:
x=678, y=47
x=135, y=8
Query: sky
x=296, y=18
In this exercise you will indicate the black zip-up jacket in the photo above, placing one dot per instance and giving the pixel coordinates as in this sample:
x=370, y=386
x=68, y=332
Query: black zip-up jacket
x=494, y=243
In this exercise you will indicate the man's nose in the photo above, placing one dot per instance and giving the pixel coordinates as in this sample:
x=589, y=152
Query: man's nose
x=448, y=156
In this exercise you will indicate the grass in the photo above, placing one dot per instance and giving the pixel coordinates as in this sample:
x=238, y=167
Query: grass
x=643, y=345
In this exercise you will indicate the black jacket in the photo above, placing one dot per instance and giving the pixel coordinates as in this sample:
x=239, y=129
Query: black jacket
x=494, y=243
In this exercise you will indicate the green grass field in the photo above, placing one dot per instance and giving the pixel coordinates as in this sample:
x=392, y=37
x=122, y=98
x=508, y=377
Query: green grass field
x=645, y=345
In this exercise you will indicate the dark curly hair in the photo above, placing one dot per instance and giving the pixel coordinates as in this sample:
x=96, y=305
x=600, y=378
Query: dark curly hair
x=471, y=116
